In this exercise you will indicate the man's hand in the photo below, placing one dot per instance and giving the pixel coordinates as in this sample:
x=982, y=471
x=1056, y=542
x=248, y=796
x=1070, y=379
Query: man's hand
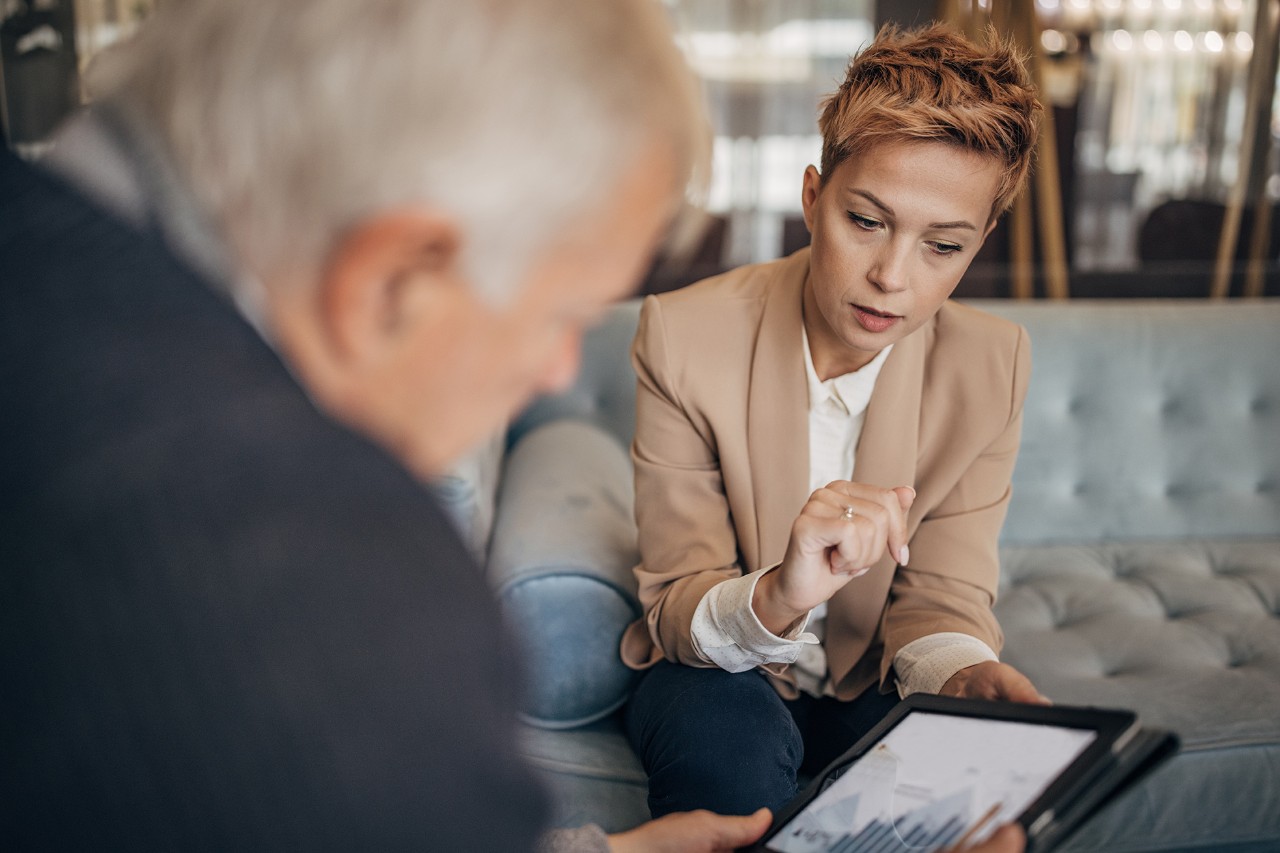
x=991, y=680
x=841, y=532
x=693, y=832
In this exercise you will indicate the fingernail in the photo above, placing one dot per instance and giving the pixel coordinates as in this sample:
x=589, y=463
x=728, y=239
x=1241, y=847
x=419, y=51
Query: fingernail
x=904, y=555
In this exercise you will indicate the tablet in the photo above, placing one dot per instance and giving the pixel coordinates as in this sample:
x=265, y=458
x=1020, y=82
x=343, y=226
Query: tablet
x=940, y=771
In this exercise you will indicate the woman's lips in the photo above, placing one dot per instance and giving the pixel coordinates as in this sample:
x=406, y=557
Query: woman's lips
x=874, y=321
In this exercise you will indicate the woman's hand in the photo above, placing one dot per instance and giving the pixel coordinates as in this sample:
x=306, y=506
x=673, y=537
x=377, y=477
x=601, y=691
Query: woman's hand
x=991, y=680
x=841, y=532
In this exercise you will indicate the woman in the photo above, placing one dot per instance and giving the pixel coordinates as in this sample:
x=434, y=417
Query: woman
x=778, y=627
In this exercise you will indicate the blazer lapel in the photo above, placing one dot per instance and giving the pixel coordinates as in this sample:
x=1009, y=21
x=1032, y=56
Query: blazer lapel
x=886, y=456
x=778, y=414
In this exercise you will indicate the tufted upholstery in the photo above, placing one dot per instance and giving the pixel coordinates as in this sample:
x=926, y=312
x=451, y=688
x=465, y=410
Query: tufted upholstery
x=1157, y=421
x=1140, y=559
x=1114, y=624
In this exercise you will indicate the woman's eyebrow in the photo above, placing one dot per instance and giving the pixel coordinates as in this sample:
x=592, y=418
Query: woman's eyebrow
x=957, y=224
x=871, y=198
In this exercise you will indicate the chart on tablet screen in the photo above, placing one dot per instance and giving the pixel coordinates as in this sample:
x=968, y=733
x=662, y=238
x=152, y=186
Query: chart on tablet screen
x=928, y=781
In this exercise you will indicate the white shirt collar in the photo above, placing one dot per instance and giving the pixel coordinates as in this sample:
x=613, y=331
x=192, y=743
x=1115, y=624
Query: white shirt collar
x=851, y=391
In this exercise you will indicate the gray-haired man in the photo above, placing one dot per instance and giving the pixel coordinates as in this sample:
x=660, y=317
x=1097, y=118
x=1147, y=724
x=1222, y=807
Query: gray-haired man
x=228, y=621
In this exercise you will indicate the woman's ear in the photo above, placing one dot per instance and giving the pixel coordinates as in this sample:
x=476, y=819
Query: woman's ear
x=809, y=195
x=380, y=281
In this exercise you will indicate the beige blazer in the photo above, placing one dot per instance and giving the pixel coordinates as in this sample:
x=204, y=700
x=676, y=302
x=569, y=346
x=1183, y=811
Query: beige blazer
x=721, y=456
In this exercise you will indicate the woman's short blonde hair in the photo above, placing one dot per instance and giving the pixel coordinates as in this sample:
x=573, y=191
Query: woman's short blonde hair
x=935, y=84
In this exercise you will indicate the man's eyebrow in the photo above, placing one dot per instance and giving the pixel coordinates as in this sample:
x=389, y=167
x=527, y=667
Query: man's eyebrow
x=959, y=223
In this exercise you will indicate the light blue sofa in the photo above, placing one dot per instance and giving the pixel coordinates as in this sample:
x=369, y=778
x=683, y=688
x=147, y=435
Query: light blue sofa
x=1141, y=559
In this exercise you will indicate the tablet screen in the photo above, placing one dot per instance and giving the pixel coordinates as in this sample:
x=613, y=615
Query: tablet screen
x=928, y=780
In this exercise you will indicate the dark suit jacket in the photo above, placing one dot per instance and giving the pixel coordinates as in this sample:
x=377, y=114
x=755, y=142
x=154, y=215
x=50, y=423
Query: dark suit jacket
x=226, y=623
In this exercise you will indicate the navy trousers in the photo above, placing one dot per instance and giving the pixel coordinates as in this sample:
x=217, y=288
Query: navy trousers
x=727, y=742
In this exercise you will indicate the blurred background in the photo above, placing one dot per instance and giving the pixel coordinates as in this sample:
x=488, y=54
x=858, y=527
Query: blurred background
x=1158, y=174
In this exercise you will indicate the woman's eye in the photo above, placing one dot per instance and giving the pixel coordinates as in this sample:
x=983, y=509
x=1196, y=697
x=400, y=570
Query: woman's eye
x=945, y=248
x=864, y=222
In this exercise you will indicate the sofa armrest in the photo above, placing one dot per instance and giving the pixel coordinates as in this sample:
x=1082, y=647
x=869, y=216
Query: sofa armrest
x=560, y=563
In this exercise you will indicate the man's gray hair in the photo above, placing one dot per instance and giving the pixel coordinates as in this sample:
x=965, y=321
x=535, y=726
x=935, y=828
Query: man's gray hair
x=293, y=120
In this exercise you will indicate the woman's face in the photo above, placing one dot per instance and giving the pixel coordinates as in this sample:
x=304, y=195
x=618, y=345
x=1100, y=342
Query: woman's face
x=894, y=230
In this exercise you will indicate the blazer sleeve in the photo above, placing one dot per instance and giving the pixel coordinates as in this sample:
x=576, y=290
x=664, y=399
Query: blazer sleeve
x=954, y=571
x=686, y=535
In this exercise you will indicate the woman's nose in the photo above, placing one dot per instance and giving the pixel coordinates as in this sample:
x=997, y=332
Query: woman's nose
x=888, y=269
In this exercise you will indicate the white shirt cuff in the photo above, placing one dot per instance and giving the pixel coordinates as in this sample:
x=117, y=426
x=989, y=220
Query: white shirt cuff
x=926, y=664
x=727, y=633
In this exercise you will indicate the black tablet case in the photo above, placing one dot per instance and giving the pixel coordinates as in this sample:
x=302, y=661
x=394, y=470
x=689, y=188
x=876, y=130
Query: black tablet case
x=1067, y=802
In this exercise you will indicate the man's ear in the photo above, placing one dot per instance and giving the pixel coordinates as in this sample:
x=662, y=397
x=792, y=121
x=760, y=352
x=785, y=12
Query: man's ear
x=379, y=278
x=809, y=195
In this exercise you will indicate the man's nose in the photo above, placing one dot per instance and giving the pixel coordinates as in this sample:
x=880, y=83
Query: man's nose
x=562, y=366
